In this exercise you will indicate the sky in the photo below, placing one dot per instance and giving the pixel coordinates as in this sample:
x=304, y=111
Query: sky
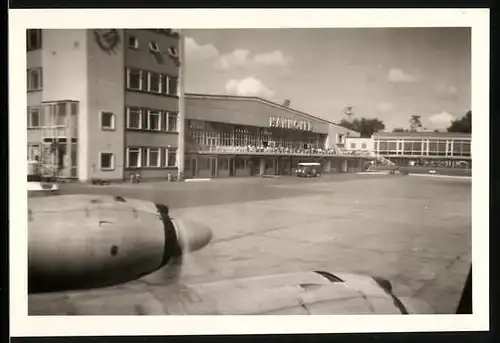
x=385, y=73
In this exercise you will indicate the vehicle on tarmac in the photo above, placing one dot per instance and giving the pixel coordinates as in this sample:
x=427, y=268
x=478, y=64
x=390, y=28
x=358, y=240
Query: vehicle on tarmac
x=308, y=169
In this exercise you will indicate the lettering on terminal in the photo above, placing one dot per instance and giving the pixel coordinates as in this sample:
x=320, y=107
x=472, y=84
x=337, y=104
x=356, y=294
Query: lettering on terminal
x=290, y=123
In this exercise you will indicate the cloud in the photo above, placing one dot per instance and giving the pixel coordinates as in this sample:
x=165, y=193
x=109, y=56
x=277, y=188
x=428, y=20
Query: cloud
x=199, y=51
x=242, y=58
x=249, y=86
x=274, y=58
x=440, y=120
x=236, y=58
x=446, y=89
x=385, y=106
x=399, y=75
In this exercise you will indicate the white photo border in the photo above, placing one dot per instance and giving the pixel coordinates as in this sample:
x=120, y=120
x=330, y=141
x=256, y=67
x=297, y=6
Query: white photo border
x=22, y=19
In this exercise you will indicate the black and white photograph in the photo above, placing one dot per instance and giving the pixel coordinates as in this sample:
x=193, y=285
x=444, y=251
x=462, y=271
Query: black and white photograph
x=244, y=171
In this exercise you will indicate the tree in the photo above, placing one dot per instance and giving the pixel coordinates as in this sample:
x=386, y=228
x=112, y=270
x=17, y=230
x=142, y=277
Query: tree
x=415, y=123
x=463, y=124
x=366, y=127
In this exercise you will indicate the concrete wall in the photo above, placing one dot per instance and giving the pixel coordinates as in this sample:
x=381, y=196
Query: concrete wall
x=152, y=101
x=337, y=134
x=143, y=58
x=105, y=93
x=151, y=139
x=353, y=143
x=64, y=58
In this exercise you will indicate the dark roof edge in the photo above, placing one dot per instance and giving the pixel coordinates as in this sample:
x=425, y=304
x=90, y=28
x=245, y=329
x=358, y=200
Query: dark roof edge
x=255, y=98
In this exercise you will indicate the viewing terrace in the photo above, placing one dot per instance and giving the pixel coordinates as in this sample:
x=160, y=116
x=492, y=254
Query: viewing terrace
x=284, y=151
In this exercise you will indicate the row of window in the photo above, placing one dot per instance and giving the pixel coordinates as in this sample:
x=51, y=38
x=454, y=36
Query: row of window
x=148, y=119
x=53, y=115
x=151, y=82
x=137, y=118
x=363, y=146
x=140, y=157
x=137, y=80
x=431, y=146
x=133, y=43
x=135, y=158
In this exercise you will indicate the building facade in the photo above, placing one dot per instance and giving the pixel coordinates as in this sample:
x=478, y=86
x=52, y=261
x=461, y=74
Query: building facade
x=103, y=103
x=246, y=136
x=429, y=148
x=357, y=144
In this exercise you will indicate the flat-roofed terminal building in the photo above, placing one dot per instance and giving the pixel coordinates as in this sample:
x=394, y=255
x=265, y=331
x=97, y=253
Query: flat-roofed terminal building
x=424, y=148
x=246, y=136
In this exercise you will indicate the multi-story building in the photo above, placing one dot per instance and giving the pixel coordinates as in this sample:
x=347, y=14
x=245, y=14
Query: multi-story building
x=103, y=103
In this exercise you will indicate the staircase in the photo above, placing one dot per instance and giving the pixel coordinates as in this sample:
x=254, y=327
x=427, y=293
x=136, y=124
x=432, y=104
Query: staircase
x=382, y=159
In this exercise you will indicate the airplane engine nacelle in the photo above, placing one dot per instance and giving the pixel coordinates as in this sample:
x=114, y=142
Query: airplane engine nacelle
x=87, y=241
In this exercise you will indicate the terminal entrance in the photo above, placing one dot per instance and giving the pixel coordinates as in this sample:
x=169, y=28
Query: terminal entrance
x=213, y=167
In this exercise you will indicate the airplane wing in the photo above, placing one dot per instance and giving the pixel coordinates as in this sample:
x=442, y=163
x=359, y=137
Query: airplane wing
x=94, y=255
x=308, y=293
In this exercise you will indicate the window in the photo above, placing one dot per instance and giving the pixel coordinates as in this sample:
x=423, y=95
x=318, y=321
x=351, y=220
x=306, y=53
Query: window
x=172, y=51
x=33, y=119
x=133, y=42
x=33, y=39
x=154, y=47
x=154, y=120
x=164, y=121
x=172, y=122
x=133, y=118
x=154, y=82
x=172, y=86
x=363, y=145
x=107, y=121
x=107, y=161
x=353, y=145
x=133, y=157
x=33, y=151
x=135, y=79
x=171, y=157
x=35, y=79
x=153, y=157
x=74, y=108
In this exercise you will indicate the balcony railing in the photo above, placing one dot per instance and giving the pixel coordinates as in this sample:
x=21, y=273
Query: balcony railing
x=252, y=150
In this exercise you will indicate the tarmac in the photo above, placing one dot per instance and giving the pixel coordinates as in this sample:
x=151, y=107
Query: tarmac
x=413, y=231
